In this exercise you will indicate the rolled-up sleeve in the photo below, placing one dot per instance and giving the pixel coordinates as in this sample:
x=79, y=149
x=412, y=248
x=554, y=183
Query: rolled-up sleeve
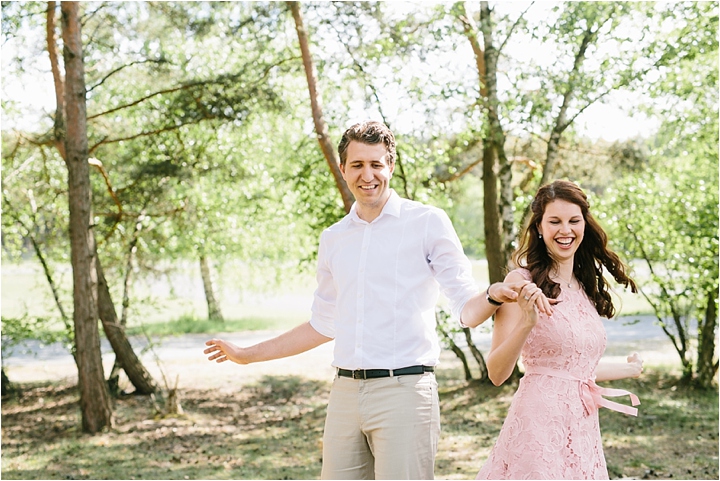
x=451, y=267
x=325, y=297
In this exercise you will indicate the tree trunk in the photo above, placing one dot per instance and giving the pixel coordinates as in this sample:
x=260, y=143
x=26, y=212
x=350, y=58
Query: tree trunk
x=493, y=233
x=496, y=140
x=10, y=210
x=214, y=312
x=505, y=207
x=707, y=364
x=476, y=354
x=561, y=121
x=321, y=128
x=115, y=333
x=136, y=372
x=7, y=386
x=94, y=398
x=503, y=242
x=114, y=378
x=458, y=352
x=491, y=210
x=59, y=121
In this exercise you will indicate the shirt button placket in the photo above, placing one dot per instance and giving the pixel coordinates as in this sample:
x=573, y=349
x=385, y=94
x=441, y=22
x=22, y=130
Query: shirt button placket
x=360, y=306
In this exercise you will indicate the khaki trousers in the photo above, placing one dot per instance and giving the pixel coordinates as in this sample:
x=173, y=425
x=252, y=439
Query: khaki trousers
x=386, y=428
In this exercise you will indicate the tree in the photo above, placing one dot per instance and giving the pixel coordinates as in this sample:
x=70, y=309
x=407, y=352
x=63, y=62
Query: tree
x=198, y=115
x=104, y=307
x=94, y=397
x=497, y=205
x=667, y=217
x=668, y=220
x=321, y=128
x=171, y=131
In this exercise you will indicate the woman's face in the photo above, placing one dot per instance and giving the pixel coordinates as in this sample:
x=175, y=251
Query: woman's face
x=562, y=228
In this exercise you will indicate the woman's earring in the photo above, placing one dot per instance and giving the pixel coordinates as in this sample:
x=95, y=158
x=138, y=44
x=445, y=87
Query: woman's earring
x=539, y=236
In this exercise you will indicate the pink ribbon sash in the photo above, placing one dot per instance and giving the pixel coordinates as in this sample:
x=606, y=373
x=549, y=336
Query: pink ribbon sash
x=590, y=393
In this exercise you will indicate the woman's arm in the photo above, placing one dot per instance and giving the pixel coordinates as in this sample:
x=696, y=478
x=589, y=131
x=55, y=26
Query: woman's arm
x=612, y=371
x=513, y=323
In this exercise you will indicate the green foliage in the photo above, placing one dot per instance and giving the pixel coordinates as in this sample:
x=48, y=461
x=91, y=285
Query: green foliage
x=16, y=330
x=200, y=116
x=34, y=204
x=686, y=86
x=668, y=219
x=315, y=198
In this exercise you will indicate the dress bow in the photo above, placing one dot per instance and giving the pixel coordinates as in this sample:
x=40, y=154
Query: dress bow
x=591, y=394
x=592, y=398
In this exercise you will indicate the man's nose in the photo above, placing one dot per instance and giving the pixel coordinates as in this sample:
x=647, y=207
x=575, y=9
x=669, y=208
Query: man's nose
x=367, y=174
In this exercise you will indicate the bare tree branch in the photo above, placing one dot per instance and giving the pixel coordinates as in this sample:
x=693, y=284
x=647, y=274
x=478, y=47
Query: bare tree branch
x=120, y=68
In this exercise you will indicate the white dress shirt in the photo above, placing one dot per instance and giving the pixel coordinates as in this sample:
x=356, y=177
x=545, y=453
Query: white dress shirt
x=378, y=285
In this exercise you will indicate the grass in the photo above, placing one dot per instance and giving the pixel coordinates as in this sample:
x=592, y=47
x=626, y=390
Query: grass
x=675, y=436
x=190, y=325
x=169, y=305
x=273, y=430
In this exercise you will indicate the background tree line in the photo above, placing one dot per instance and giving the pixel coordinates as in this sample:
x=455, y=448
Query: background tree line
x=205, y=131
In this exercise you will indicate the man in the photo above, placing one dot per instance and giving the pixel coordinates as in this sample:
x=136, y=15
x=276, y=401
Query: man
x=378, y=274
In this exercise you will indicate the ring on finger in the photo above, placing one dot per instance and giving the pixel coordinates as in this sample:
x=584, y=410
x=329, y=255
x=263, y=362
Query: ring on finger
x=526, y=298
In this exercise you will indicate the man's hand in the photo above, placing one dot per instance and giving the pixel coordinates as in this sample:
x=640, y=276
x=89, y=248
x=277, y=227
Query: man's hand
x=511, y=291
x=221, y=351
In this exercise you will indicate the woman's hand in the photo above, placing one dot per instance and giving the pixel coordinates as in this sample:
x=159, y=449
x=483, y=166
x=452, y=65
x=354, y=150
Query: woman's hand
x=635, y=364
x=516, y=291
x=612, y=371
x=531, y=300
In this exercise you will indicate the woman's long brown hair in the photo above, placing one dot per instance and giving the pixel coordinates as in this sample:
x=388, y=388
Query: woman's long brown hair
x=591, y=257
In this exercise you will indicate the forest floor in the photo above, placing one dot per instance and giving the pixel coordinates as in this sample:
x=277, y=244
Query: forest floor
x=253, y=422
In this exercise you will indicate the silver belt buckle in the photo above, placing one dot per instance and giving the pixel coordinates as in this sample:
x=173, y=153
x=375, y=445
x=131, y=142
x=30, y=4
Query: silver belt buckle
x=358, y=374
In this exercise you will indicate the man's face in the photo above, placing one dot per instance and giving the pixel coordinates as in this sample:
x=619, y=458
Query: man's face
x=367, y=173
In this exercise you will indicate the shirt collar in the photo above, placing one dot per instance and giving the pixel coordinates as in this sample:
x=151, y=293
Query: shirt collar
x=392, y=207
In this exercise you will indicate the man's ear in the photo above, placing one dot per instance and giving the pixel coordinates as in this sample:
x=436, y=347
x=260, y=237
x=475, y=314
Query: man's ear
x=342, y=169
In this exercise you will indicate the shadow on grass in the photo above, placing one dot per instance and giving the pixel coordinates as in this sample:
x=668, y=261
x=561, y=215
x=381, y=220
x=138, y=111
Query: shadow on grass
x=270, y=430
x=273, y=430
x=675, y=435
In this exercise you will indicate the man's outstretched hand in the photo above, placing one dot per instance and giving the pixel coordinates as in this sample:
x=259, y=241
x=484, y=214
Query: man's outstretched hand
x=221, y=351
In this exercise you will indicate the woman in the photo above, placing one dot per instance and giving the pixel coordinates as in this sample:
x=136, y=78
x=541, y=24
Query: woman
x=552, y=430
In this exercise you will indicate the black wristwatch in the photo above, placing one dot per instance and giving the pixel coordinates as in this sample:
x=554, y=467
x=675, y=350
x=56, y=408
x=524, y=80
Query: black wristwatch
x=490, y=299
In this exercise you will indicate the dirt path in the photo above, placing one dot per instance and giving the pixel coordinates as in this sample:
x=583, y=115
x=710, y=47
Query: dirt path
x=180, y=356
x=183, y=356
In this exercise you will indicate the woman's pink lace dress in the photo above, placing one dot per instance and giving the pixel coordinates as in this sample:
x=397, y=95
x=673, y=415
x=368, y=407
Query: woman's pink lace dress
x=552, y=430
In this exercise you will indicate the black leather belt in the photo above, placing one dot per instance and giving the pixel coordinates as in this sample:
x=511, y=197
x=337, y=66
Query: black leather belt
x=375, y=373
